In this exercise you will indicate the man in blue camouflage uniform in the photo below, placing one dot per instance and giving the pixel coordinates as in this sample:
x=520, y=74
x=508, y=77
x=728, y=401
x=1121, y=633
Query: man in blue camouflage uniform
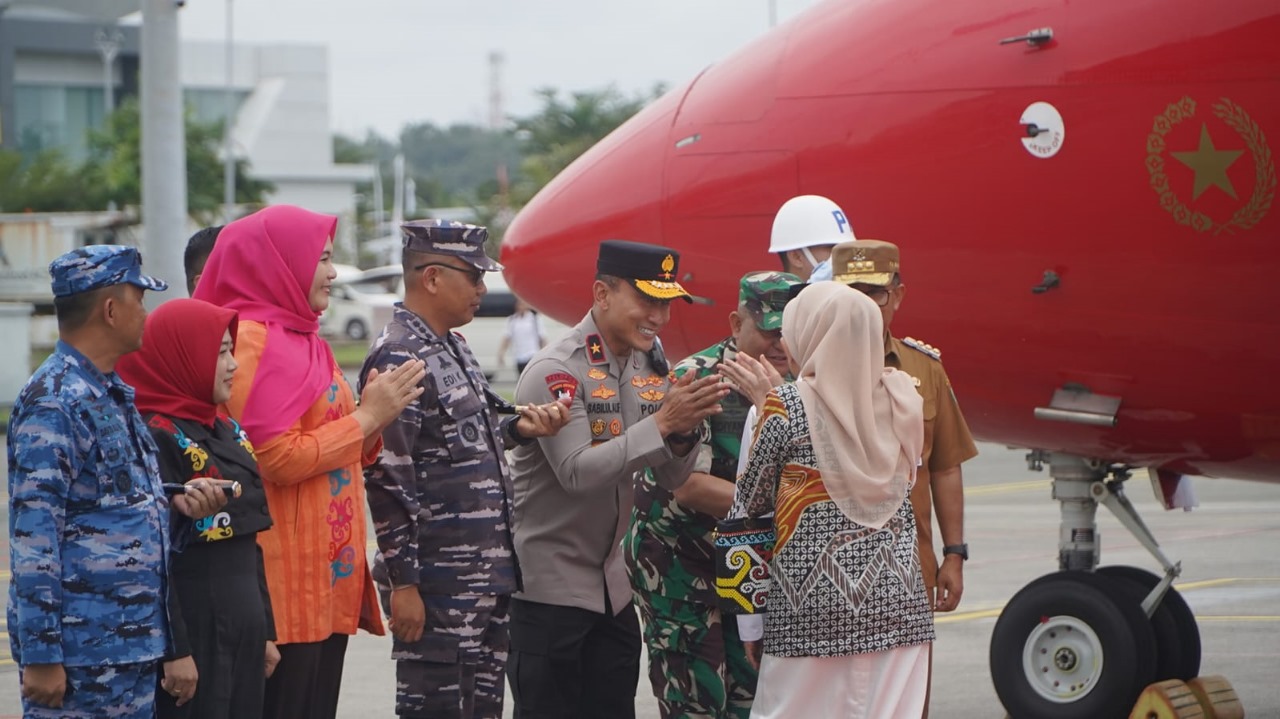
x=88, y=522
x=440, y=492
x=697, y=664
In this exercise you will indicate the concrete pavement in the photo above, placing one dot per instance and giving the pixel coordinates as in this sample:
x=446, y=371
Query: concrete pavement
x=1231, y=580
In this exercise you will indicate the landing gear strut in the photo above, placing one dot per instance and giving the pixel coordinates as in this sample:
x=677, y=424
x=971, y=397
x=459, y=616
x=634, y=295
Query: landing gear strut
x=1085, y=641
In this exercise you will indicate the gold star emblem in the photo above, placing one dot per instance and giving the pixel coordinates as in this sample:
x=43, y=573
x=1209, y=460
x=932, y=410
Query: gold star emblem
x=1210, y=165
x=595, y=347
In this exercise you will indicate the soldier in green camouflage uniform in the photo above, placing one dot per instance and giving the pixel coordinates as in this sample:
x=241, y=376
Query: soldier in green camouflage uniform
x=697, y=664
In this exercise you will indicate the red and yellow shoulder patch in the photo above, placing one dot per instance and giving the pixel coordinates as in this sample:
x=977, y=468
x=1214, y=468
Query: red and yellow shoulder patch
x=563, y=386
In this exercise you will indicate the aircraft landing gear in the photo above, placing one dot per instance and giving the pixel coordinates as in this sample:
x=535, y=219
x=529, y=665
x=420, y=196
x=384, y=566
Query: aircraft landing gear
x=1086, y=641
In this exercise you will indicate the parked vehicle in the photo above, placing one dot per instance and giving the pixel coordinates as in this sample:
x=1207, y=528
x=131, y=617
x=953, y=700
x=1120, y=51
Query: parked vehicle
x=361, y=306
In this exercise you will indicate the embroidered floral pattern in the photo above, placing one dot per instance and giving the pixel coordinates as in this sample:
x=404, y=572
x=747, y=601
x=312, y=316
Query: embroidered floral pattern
x=242, y=438
x=216, y=527
x=340, y=517
x=199, y=458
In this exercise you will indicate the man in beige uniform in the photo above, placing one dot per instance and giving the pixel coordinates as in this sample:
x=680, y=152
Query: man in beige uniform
x=575, y=641
x=871, y=266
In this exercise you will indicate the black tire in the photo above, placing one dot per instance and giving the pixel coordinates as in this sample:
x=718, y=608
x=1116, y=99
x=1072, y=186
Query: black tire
x=1177, y=634
x=355, y=330
x=1123, y=636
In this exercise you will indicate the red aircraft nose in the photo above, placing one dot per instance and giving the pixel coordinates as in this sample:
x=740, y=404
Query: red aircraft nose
x=613, y=191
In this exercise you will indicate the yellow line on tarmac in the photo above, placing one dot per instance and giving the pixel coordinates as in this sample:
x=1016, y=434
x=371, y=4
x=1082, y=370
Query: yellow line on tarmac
x=1238, y=618
x=1206, y=583
x=991, y=613
x=951, y=618
x=967, y=616
x=1007, y=487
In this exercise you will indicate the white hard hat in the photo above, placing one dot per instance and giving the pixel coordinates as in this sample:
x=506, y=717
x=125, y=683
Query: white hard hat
x=809, y=221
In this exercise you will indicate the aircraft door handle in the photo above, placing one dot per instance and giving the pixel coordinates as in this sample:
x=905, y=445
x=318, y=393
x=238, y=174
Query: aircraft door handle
x=1037, y=37
x=1033, y=129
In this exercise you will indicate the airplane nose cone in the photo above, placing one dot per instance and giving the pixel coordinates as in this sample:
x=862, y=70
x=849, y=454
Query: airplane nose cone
x=613, y=191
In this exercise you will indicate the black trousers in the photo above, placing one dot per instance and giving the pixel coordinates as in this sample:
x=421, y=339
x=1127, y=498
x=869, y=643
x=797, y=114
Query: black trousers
x=306, y=681
x=226, y=626
x=571, y=663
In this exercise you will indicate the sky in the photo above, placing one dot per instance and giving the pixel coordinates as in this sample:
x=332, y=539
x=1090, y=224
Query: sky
x=393, y=62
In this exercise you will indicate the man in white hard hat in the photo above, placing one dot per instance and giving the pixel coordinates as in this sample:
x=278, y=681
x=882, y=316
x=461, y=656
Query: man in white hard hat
x=804, y=231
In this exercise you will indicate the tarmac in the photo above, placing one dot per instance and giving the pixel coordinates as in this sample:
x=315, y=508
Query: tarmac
x=1230, y=579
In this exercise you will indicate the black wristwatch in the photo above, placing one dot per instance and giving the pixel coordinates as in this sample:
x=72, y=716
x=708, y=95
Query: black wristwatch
x=959, y=549
x=513, y=432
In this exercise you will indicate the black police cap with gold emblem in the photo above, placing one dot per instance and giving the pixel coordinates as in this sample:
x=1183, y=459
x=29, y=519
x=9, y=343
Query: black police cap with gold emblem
x=651, y=269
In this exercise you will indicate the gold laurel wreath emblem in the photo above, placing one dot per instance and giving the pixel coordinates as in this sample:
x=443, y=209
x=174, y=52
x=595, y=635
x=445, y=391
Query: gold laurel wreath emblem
x=1264, y=188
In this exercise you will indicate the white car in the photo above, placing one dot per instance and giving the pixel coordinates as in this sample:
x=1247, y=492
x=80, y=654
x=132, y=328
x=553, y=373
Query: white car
x=360, y=307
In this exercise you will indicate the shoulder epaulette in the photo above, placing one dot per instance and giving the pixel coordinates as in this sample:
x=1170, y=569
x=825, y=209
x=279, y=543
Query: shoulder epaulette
x=595, y=349
x=924, y=347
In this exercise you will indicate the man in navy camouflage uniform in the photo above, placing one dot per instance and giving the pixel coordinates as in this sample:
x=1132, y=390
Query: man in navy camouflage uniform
x=697, y=664
x=440, y=492
x=88, y=522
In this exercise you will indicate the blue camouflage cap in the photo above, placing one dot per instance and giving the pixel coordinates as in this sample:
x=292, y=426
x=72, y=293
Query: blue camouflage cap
x=444, y=237
x=96, y=266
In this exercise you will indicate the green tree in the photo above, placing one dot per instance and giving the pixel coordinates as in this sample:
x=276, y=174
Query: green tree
x=49, y=182
x=115, y=165
x=563, y=129
x=448, y=164
x=46, y=183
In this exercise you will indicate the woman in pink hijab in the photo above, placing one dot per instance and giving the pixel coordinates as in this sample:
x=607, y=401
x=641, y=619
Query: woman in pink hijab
x=848, y=626
x=274, y=268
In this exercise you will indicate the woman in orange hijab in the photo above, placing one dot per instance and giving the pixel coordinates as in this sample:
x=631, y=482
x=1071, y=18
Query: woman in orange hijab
x=274, y=267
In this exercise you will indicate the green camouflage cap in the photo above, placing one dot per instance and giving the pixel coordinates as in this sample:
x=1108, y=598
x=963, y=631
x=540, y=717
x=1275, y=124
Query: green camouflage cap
x=764, y=294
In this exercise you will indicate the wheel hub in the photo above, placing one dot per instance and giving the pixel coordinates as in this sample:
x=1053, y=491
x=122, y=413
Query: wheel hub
x=1062, y=659
x=1065, y=659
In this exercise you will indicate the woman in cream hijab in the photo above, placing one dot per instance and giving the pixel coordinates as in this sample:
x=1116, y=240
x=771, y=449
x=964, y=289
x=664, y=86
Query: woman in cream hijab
x=848, y=625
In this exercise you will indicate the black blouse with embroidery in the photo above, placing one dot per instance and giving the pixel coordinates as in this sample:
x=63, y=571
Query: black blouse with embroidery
x=189, y=450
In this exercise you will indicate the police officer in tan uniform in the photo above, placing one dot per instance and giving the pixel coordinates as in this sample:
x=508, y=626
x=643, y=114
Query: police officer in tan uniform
x=575, y=640
x=872, y=267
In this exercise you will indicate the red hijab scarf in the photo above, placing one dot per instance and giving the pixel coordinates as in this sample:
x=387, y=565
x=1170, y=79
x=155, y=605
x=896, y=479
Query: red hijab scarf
x=262, y=267
x=174, y=372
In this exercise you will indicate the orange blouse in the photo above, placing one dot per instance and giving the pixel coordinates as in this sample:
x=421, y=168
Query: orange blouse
x=316, y=565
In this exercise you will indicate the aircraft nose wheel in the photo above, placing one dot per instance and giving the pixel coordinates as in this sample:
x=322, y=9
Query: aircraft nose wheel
x=1069, y=645
x=1062, y=658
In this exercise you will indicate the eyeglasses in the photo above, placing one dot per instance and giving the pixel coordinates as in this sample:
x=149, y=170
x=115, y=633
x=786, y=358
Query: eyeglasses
x=878, y=295
x=475, y=274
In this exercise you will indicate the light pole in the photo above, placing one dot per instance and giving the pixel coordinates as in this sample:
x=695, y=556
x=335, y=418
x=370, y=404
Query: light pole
x=108, y=43
x=228, y=158
x=164, y=157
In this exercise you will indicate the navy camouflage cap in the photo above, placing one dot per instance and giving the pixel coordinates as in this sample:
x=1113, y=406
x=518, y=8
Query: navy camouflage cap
x=445, y=237
x=97, y=266
x=764, y=294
